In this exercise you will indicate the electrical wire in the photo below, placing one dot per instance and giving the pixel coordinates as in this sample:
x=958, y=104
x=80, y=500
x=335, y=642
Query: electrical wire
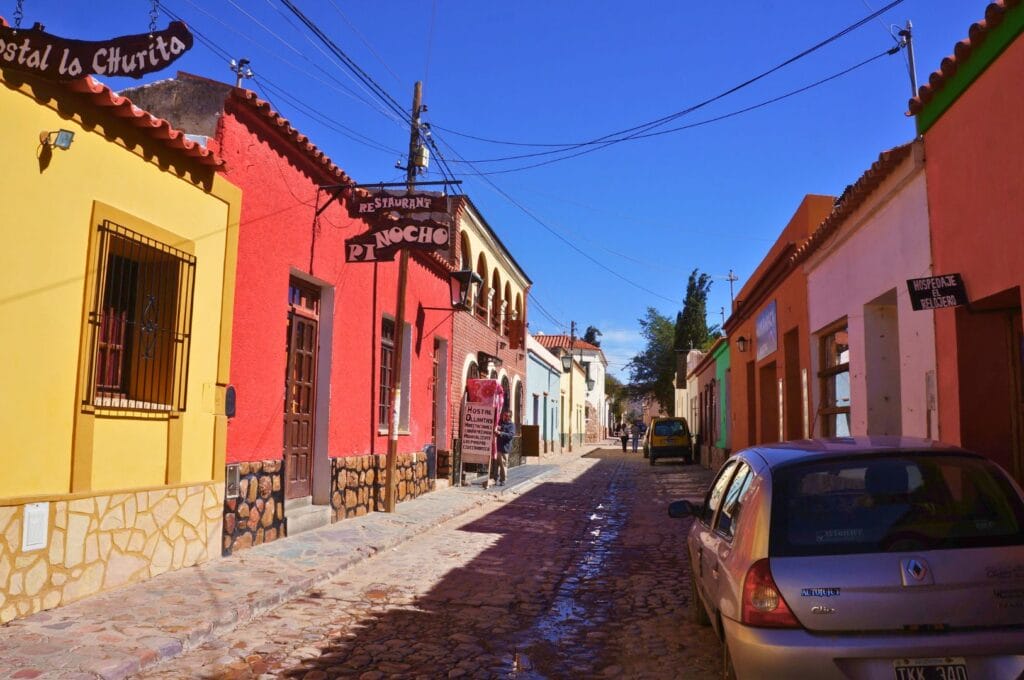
x=672, y=116
x=658, y=133
x=362, y=38
x=544, y=312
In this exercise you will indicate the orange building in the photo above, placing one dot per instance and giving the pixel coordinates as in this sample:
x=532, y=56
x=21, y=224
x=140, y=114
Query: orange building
x=769, y=352
x=970, y=115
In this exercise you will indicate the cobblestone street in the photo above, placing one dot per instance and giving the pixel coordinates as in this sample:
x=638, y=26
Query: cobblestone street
x=580, y=576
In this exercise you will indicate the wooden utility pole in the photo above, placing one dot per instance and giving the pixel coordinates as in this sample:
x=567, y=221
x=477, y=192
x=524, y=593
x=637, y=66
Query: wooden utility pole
x=391, y=490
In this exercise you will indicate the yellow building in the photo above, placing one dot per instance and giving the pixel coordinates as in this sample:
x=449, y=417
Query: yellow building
x=118, y=279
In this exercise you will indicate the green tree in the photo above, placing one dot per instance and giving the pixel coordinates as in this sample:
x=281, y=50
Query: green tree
x=617, y=394
x=692, y=330
x=652, y=371
x=591, y=335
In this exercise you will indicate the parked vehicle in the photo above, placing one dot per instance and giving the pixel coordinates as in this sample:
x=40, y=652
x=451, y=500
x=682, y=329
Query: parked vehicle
x=876, y=557
x=668, y=438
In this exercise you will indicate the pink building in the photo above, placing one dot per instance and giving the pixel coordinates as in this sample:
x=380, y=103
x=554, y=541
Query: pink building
x=873, y=356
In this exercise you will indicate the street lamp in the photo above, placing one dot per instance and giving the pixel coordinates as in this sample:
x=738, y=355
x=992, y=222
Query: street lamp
x=566, y=363
x=742, y=343
x=461, y=284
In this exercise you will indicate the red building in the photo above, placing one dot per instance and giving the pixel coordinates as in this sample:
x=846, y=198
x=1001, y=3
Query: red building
x=769, y=340
x=970, y=115
x=314, y=336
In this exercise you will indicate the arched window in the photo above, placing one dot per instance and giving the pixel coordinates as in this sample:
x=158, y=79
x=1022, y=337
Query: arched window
x=496, y=304
x=508, y=310
x=517, y=412
x=465, y=252
x=474, y=372
x=519, y=308
x=481, y=302
x=507, y=391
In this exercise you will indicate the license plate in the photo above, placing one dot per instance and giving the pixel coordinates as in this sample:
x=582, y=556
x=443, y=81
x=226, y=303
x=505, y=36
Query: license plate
x=947, y=668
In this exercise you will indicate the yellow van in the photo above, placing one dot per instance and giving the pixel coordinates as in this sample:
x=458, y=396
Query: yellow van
x=668, y=438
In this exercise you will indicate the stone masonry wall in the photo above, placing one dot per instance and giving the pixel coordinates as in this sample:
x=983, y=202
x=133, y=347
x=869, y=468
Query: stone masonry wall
x=357, y=482
x=256, y=516
x=100, y=542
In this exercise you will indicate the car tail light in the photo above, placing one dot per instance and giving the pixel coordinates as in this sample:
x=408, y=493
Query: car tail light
x=763, y=604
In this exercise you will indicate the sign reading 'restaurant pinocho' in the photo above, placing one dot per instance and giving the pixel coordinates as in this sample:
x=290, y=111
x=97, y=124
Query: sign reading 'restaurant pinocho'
x=370, y=205
x=56, y=58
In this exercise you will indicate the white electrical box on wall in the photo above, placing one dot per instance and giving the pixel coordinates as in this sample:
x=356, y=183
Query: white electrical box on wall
x=35, y=527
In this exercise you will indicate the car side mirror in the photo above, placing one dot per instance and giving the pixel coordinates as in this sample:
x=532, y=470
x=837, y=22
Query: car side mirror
x=684, y=508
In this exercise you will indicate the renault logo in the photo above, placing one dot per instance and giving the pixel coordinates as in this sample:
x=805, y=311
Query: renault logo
x=915, y=571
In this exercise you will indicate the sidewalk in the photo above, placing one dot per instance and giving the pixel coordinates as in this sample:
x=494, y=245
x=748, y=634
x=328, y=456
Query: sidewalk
x=118, y=633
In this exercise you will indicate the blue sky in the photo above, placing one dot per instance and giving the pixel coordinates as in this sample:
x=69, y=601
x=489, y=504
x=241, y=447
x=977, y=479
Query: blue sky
x=609, y=233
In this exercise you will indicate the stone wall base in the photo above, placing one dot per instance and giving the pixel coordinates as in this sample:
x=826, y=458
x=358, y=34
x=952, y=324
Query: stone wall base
x=357, y=482
x=256, y=515
x=100, y=542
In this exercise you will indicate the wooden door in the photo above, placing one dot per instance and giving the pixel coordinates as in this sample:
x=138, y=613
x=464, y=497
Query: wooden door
x=300, y=399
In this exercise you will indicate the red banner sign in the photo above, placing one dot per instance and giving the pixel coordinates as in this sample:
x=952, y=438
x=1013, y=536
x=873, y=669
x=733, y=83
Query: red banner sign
x=56, y=58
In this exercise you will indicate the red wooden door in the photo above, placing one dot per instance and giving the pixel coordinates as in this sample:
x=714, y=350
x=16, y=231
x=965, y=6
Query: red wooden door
x=300, y=399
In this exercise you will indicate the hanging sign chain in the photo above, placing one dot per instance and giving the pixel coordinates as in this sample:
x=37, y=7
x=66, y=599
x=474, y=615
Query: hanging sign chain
x=18, y=14
x=154, y=10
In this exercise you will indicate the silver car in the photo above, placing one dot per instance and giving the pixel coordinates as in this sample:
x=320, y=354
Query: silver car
x=873, y=557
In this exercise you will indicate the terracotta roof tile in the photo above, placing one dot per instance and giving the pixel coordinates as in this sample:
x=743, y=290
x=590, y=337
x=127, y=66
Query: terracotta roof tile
x=564, y=342
x=299, y=140
x=852, y=198
x=121, y=107
x=962, y=51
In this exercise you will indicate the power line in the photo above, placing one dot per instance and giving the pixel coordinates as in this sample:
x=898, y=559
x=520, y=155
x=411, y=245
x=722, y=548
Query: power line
x=557, y=235
x=544, y=312
x=604, y=139
x=688, y=126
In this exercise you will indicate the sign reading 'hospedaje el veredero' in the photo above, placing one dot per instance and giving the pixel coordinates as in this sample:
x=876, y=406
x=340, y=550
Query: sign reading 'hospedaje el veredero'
x=132, y=56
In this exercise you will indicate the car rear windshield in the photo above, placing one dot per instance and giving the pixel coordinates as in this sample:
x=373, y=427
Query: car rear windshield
x=669, y=428
x=892, y=503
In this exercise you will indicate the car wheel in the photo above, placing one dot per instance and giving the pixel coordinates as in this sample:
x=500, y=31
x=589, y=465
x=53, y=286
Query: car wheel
x=728, y=672
x=698, y=614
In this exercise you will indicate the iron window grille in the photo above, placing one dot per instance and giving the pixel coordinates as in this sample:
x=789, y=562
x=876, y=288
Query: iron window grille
x=140, y=323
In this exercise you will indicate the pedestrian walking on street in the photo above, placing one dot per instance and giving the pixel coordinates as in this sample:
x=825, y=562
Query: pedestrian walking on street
x=637, y=431
x=624, y=435
x=506, y=432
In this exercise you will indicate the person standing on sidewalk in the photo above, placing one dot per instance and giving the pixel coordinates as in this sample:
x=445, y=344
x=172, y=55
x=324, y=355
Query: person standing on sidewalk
x=624, y=435
x=506, y=432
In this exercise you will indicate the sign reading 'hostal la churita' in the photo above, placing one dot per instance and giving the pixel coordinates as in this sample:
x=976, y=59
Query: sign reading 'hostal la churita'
x=936, y=292
x=56, y=58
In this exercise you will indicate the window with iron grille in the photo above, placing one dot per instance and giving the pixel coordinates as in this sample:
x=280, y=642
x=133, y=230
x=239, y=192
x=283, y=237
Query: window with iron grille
x=140, y=323
x=387, y=365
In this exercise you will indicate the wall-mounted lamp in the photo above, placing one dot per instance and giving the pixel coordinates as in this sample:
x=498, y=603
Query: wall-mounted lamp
x=590, y=384
x=59, y=139
x=566, y=363
x=461, y=284
x=742, y=343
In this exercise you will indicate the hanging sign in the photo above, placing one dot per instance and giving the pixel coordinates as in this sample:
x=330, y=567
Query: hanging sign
x=381, y=244
x=404, y=204
x=477, y=432
x=56, y=58
x=936, y=292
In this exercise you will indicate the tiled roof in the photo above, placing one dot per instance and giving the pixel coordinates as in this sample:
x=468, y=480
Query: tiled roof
x=853, y=198
x=962, y=51
x=564, y=342
x=121, y=107
x=299, y=140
